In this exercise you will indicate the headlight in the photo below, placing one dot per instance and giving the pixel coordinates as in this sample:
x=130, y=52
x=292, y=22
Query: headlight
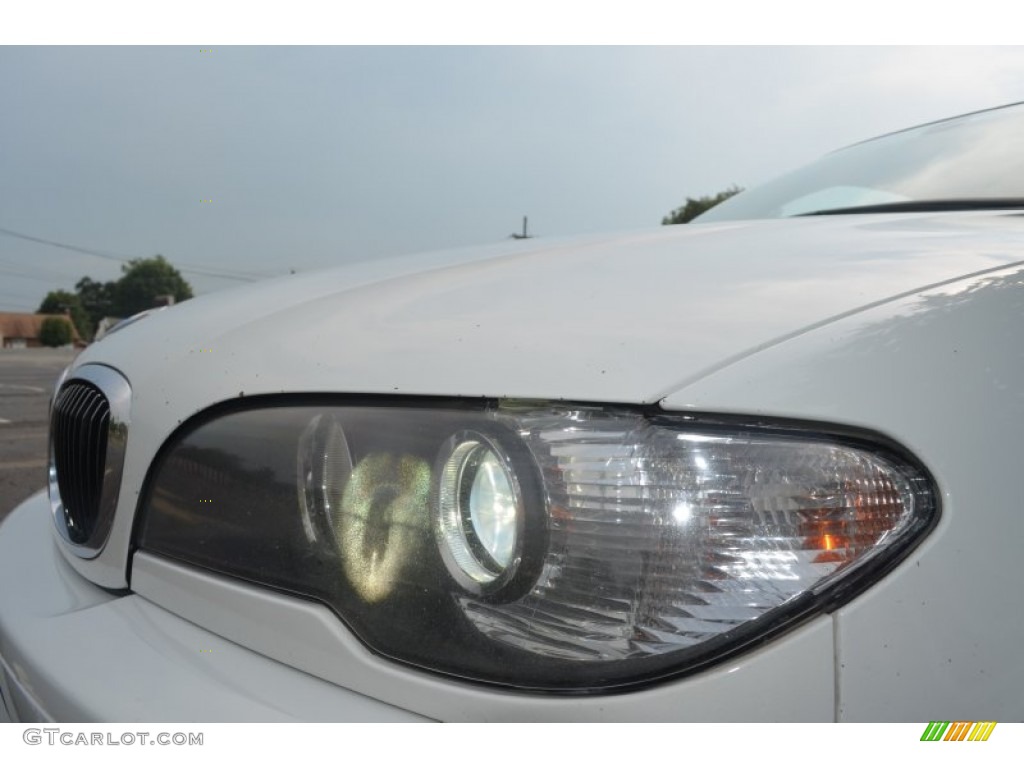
x=483, y=499
x=544, y=546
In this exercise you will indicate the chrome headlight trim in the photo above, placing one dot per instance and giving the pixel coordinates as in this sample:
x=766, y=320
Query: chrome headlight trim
x=460, y=547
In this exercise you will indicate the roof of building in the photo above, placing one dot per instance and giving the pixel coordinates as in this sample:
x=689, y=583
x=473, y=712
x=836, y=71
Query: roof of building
x=26, y=325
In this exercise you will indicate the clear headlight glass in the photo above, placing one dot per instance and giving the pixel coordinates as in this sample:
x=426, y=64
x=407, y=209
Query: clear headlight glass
x=535, y=545
x=479, y=512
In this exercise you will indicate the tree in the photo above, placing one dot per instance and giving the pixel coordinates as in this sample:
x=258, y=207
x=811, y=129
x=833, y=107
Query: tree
x=695, y=207
x=142, y=282
x=97, y=300
x=59, y=302
x=140, y=287
x=56, y=332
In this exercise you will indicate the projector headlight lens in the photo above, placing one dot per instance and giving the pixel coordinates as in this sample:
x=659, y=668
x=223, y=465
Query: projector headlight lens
x=479, y=514
x=538, y=545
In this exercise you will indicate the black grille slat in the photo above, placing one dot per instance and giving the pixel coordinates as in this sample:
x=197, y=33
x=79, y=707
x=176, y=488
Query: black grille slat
x=63, y=439
x=85, y=438
x=96, y=414
x=73, y=451
x=67, y=407
x=81, y=419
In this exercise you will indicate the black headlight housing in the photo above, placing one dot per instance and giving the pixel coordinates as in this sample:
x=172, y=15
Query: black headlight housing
x=536, y=545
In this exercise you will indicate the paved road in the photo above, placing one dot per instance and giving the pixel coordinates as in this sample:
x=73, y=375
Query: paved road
x=27, y=377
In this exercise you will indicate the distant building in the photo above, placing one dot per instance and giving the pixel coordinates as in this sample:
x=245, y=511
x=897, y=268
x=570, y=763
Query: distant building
x=19, y=330
x=104, y=326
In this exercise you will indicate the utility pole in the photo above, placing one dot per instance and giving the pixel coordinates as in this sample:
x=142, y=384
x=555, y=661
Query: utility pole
x=523, y=236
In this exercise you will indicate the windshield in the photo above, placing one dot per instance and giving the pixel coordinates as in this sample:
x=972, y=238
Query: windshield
x=973, y=161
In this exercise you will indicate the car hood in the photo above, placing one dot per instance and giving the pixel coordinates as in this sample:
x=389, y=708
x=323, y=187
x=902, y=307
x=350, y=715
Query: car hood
x=624, y=318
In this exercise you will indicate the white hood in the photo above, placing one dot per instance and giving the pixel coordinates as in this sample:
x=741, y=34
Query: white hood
x=618, y=319
x=624, y=319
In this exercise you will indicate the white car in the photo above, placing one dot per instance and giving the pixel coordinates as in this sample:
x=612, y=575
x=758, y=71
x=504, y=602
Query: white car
x=764, y=466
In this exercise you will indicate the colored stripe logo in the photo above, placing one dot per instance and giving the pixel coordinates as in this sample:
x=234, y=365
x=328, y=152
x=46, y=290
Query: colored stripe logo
x=958, y=731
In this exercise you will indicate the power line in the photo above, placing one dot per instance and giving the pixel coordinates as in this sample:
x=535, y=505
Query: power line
x=65, y=246
x=25, y=275
x=225, y=274
x=14, y=300
x=8, y=266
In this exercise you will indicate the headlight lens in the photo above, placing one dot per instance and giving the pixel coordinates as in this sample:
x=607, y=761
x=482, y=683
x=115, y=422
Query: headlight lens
x=479, y=512
x=542, y=546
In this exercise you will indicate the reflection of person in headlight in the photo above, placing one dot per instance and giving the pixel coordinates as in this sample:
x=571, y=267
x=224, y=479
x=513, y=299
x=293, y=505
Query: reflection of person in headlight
x=383, y=511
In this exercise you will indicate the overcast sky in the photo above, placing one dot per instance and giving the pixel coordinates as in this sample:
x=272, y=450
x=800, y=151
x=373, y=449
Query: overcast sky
x=311, y=157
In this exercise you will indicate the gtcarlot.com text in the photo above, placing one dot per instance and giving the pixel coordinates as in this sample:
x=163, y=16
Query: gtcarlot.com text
x=58, y=736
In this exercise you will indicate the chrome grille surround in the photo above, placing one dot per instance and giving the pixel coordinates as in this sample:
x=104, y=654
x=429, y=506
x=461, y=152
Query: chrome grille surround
x=89, y=419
